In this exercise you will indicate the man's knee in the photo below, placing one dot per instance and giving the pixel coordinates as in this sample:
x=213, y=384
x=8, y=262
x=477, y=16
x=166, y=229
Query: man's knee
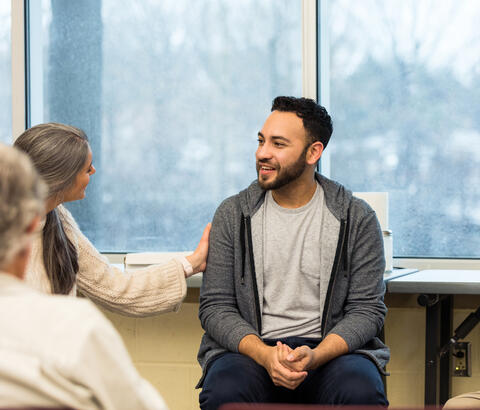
x=351, y=380
x=215, y=394
x=362, y=388
x=232, y=378
x=220, y=386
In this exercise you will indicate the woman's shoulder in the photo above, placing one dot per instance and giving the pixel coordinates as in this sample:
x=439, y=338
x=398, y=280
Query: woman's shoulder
x=64, y=214
x=68, y=221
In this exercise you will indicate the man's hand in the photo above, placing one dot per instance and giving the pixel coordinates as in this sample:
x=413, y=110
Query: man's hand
x=281, y=375
x=299, y=360
x=269, y=358
x=304, y=358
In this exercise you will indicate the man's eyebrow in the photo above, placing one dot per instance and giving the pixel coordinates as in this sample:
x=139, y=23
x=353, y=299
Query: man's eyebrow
x=275, y=137
x=279, y=137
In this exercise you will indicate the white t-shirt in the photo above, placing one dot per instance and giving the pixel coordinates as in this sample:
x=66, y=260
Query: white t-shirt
x=291, y=268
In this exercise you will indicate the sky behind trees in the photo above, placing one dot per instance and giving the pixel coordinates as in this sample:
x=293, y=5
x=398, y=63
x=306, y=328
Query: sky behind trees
x=172, y=94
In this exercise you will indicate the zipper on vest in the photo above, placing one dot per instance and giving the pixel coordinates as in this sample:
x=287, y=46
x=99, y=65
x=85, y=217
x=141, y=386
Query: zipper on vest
x=345, y=243
x=242, y=247
x=254, y=275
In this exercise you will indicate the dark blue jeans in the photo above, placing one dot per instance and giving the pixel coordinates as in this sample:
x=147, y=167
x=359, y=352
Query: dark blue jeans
x=351, y=379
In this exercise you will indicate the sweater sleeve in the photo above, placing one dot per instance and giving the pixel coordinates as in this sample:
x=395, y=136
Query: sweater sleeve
x=219, y=311
x=364, y=309
x=143, y=292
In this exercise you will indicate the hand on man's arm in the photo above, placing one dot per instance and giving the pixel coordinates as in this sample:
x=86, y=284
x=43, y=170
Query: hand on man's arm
x=269, y=358
x=198, y=259
x=304, y=358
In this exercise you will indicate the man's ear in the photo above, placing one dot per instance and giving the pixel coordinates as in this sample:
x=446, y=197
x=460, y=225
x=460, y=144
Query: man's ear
x=314, y=152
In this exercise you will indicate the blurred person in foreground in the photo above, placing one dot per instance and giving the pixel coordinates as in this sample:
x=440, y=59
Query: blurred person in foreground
x=64, y=259
x=55, y=350
x=292, y=297
x=469, y=400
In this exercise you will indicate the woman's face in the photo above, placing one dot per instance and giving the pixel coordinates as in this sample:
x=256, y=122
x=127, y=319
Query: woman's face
x=77, y=190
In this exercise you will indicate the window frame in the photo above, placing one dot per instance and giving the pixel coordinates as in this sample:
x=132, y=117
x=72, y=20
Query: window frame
x=18, y=67
x=315, y=84
x=323, y=89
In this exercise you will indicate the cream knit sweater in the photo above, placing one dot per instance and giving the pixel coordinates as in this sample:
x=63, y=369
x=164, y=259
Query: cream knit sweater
x=151, y=290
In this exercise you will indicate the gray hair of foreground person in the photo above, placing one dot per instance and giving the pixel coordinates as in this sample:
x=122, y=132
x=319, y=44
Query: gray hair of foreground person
x=22, y=199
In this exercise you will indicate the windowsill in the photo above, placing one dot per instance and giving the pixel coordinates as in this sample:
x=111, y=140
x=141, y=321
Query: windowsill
x=195, y=281
x=434, y=263
x=418, y=263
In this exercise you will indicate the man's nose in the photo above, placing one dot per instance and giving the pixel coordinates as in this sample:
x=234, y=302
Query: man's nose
x=264, y=152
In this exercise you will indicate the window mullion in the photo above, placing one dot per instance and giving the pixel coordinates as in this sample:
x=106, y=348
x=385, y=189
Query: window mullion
x=309, y=49
x=323, y=71
x=18, y=68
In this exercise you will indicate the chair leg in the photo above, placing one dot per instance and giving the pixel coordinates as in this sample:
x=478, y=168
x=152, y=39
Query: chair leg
x=381, y=335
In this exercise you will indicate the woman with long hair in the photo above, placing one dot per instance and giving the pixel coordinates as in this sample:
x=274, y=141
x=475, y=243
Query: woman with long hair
x=63, y=258
x=56, y=352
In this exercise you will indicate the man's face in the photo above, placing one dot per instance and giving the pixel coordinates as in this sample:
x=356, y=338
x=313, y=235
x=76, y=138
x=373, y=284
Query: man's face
x=281, y=152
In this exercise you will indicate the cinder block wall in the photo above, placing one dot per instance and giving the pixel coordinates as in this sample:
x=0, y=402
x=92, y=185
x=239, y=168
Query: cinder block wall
x=164, y=350
x=405, y=335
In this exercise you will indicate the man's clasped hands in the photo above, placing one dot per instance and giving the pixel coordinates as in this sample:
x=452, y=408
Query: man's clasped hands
x=288, y=367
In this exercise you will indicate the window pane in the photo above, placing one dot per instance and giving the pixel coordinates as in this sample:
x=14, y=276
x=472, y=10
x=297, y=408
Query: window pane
x=405, y=93
x=172, y=95
x=5, y=73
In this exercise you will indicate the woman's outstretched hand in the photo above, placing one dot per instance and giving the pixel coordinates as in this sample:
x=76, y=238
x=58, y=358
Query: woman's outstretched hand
x=198, y=259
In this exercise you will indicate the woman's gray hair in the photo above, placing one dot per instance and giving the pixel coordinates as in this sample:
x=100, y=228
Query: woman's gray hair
x=58, y=152
x=22, y=199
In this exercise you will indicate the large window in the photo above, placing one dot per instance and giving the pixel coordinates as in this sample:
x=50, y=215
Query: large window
x=5, y=73
x=171, y=94
x=405, y=99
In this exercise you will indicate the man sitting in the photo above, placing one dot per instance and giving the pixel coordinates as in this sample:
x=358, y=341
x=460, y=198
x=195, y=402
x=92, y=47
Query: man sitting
x=292, y=297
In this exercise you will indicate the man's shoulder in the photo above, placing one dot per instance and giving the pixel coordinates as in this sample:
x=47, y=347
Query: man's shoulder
x=362, y=216
x=244, y=201
x=360, y=206
x=232, y=201
x=341, y=200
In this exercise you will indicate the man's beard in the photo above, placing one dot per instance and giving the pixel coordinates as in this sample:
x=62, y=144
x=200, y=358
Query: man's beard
x=284, y=175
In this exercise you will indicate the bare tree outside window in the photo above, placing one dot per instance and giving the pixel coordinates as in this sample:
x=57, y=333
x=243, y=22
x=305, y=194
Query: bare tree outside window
x=405, y=98
x=172, y=94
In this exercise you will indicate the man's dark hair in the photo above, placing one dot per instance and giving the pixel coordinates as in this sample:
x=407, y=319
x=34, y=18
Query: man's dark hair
x=316, y=120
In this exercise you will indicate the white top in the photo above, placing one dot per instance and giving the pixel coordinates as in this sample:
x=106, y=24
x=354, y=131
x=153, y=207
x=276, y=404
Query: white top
x=291, y=268
x=147, y=291
x=61, y=351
